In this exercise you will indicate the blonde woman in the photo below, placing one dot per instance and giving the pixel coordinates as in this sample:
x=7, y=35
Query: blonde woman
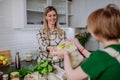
x=50, y=36
x=104, y=26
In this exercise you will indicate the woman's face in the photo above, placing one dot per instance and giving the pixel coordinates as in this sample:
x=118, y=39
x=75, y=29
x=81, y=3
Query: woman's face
x=51, y=17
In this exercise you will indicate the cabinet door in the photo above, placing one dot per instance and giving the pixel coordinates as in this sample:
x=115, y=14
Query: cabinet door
x=93, y=5
x=35, y=10
x=62, y=9
x=83, y=8
x=29, y=13
x=18, y=17
x=79, y=13
x=34, y=13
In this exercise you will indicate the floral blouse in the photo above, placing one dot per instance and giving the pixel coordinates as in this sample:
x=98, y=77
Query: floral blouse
x=54, y=40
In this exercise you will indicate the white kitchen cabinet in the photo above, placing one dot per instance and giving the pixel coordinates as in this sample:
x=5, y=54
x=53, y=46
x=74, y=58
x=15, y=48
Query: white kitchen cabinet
x=29, y=13
x=83, y=8
x=78, y=13
x=18, y=13
x=93, y=5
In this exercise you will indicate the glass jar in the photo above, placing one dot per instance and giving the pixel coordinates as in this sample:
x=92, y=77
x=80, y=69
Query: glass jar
x=14, y=76
x=28, y=57
x=5, y=77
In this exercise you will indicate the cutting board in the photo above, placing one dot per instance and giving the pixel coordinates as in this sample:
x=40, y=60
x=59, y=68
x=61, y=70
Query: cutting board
x=7, y=54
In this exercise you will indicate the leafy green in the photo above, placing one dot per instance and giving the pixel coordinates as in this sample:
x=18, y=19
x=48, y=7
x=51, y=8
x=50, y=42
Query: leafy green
x=22, y=72
x=44, y=67
x=83, y=38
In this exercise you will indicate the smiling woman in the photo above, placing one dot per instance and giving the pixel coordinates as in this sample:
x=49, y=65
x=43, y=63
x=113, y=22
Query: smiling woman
x=51, y=36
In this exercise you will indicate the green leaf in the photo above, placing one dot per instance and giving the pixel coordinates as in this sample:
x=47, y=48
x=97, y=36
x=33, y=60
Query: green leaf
x=50, y=68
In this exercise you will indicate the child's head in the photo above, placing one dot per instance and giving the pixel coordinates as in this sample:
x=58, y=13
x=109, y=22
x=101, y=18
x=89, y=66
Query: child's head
x=105, y=22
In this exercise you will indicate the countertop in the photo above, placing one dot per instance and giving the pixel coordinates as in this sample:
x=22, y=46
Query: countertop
x=12, y=66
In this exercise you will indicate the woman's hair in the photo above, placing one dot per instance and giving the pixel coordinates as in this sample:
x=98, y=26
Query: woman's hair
x=105, y=22
x=46, y=27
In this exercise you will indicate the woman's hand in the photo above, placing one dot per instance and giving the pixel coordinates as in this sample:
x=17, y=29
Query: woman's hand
x=50, y=48
x=59, y=53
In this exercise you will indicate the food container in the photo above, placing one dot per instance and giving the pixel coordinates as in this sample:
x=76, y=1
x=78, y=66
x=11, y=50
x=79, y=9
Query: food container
x=28, y=57
x=5, y=77
x=14, y=76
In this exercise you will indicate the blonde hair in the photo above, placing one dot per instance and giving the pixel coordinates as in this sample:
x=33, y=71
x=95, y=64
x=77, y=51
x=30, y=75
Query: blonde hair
x=105, y=22
x=57, y=27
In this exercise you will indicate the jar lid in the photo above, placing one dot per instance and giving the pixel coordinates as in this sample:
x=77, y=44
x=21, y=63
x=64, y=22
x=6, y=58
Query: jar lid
x=5, y=75
x=28, y=55
x=14, y=73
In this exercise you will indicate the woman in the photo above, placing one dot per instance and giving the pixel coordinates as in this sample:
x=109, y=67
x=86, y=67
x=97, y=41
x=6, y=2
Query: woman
x=104, y=26
x=50, y=36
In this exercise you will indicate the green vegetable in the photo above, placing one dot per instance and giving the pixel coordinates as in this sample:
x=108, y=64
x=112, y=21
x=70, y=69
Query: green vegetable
x=22, y=72
x=83, y=38
x=44, y=67
x=50, y=68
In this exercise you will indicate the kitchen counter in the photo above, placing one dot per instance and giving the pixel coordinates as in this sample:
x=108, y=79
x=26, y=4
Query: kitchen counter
x=12, y=66
x=23, y=64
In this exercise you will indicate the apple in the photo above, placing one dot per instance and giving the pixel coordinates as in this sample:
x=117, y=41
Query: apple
x=5, y=59
x=1, y=62
x=2, y=58
x=5, y=62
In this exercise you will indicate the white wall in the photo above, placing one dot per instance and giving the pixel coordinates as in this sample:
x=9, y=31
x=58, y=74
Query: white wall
x=14, y=40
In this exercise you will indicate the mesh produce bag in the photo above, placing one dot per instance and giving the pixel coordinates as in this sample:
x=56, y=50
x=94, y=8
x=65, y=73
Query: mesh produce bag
x=75, y=56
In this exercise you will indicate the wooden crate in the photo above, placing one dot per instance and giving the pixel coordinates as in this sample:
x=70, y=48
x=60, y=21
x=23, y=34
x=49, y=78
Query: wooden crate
x=7, y=54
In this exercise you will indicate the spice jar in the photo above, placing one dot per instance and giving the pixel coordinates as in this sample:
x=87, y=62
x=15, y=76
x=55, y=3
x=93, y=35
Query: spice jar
x=5, y=77
x=14, y=76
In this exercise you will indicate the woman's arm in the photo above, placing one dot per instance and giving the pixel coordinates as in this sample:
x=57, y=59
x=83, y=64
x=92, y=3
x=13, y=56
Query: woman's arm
x=85, y=52
x=72, y=74
x=43, y=44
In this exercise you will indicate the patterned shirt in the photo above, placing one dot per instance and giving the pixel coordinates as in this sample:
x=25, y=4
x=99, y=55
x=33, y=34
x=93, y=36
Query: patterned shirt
x=54, y=40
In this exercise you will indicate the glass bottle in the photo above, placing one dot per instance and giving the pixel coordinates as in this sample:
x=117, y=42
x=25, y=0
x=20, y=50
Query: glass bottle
x=17, y=61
